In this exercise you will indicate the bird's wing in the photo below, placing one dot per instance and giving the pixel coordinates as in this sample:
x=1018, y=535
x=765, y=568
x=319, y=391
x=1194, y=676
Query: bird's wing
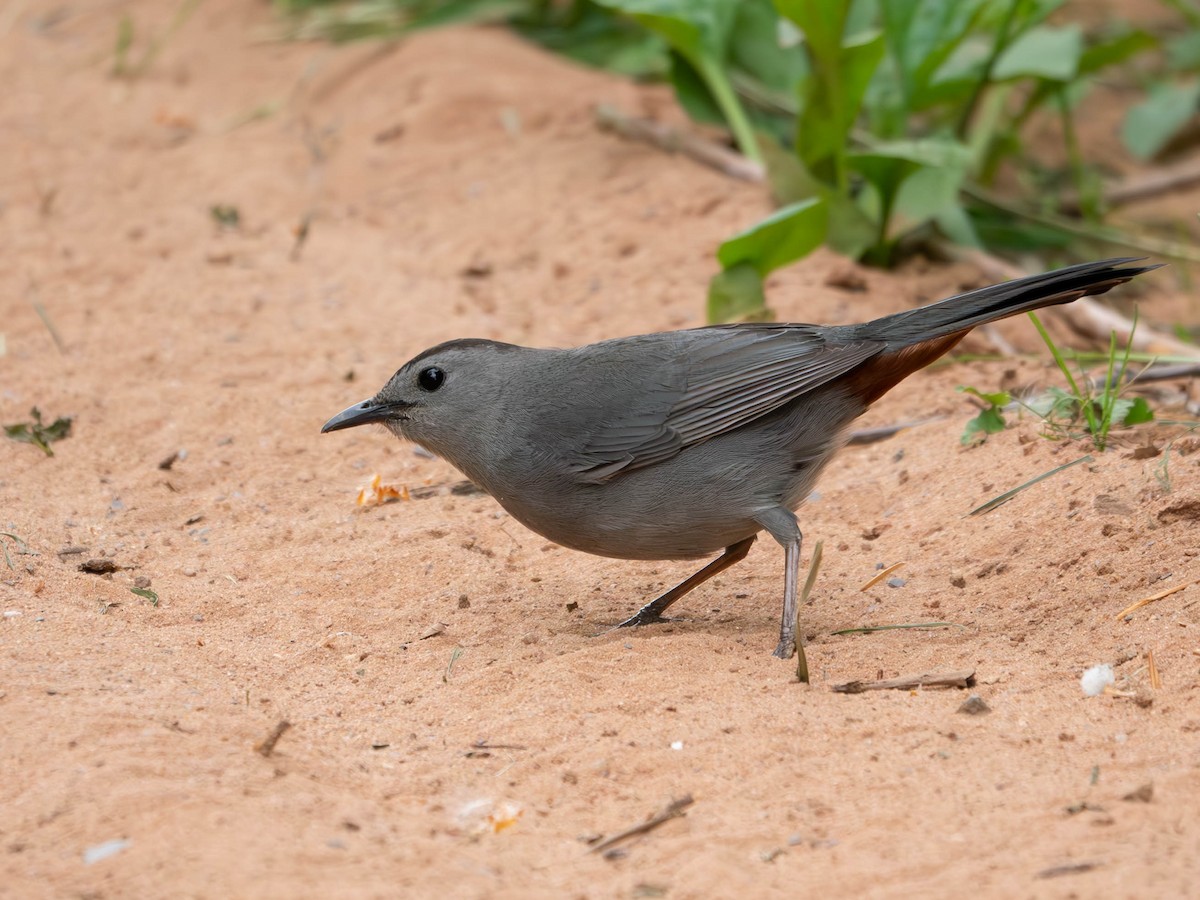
x=732, y=375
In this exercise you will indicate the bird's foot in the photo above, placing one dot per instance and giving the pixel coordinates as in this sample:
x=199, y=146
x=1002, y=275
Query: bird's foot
x=786, y=648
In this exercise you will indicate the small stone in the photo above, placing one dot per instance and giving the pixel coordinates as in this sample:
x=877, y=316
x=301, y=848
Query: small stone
x=974, y=706
x=188, y=572
x=141, y=582
x=959, y=580
x=464, y=602
x=1144, y=794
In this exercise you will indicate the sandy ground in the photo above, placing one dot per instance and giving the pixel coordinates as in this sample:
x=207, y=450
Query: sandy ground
x=460, y=725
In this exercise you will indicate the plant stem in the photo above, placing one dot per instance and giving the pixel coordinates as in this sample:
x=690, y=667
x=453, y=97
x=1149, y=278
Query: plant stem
x=985, y=77
x=1084, y=400
x=731, y=107
x=1087, y=196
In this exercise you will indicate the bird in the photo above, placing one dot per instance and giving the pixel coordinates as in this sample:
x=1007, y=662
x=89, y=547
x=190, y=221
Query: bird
x=682, y=444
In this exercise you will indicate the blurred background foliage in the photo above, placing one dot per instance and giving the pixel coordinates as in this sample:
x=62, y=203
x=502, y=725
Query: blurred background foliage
x=882, y=126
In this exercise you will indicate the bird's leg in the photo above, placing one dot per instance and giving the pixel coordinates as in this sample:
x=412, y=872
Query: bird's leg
x=652, y=611
x=781, y=524
x=791, y=578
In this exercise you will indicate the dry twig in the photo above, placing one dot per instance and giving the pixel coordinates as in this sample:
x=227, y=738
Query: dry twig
x=673, y=140
x=267, y=745
x=880, y=575
x=1143, y=186
x=672, y=810
x=1145, y=600
x=964, y=679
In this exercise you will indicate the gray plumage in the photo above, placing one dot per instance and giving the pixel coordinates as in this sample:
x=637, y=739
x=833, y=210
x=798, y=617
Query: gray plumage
x=680, y=444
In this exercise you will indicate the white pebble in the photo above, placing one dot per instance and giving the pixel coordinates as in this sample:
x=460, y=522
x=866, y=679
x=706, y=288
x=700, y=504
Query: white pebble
x=1096, y=679
x=676, y=745
x=98, y=852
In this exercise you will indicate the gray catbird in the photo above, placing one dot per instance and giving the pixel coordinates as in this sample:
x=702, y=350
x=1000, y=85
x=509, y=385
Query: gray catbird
x=679, y=444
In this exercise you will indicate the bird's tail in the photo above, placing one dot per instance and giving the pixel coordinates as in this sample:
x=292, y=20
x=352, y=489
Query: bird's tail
x=915, y=338
x=962, y=312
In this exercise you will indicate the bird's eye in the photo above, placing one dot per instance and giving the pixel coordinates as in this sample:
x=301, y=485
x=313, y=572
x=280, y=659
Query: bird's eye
x=431, y=379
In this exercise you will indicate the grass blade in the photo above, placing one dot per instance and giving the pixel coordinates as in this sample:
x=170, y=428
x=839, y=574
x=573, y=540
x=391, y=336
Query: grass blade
x=1008, y=495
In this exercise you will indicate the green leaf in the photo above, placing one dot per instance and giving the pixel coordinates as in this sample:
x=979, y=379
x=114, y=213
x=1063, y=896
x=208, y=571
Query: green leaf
x=596, y=37
x=790, y=181
x=736, y=295
x=755, y=47
x=989, y=421
x=1110, y=53
x=955, y=223
x=937, y=164
x=993, y=398
x=887, y=164
x=783, y=237
x=453, y=12
x=921, y=35
x=699, y=31
x=832, y=97
x=927, y=193
x=37, y=433
x=147, y=593
x=1149, y=126
x=1183, y=52
x=998, y=230
x=692, y=93
x=699, y=26
x=851, y=231
x=1051, y=53
x=1138, y=413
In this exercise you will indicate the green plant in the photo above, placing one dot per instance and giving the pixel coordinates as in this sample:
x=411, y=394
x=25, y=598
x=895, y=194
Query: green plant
x=583, y=30
x=1174, y=91
x=699, y=33
x=990, y=419
x=38, y=433
x=1097, y=407
x=903, y=105
x=881, y=123
x=4, y=546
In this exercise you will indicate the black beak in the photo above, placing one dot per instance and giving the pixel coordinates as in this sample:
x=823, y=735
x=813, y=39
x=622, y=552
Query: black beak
x=359, y=414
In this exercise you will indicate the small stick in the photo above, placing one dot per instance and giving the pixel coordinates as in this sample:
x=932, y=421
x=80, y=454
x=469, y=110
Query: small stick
x=1162, y=180
x=673, y=810
x=45, y=317
x=872, y=629
x=671, y=139
x=267, y=745
x=1152, y=671
x=802, y=660
x=1152, y=374
x=883, y=432
x=1068, y=869
x=880, y=575
x=964, y=679
x=1167, y=593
